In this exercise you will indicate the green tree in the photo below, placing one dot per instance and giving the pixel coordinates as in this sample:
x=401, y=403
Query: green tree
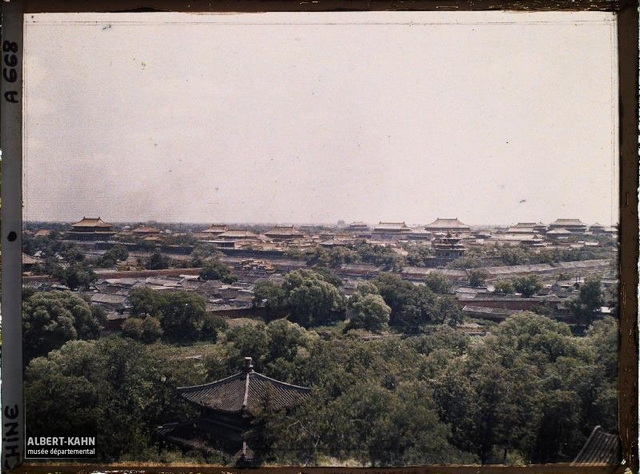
x=476, y=277
x=366, y=288
x=447, y=310
x=586, y=306
x=117, y=253
x=504, y=287
x=132, y=328
x=395, y=291
x=52, y=318
x=146, y=330
x=528, y=285
x=438, y=283
x=514, y=255
x=313, y=300
x=216, y=270
x=157, y=261
x=284, y=339
x=328, y=275
x=341, y=255
x=114, y=384
x=212, y=327
x=250, y=340
x=58, y=388
x=182, y=315
x=418, y=255
x=412, y=306
x=151, y=329
x=368, y=312
x=77, y=276
x=145, y=301
x=271, y=296
x=379, y=255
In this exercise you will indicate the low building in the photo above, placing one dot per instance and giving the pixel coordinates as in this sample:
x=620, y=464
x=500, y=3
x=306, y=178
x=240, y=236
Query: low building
x=237, y=235
x=527, y=228
x=491, y=314
x=519, y=238
x=284, y=233
x=29, y=262
x=111, y=302
x=42, y=233
x=146, y=231
x=212, y=232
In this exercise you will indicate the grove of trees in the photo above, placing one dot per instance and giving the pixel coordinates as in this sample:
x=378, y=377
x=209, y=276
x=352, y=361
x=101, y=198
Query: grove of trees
x=174, y=316
x=529, y=392
x=50, y=319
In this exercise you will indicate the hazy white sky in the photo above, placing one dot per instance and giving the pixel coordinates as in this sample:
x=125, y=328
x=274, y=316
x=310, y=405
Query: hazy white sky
x=493, y=118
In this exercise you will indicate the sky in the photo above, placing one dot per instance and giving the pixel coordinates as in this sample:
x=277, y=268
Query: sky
x=493, y=118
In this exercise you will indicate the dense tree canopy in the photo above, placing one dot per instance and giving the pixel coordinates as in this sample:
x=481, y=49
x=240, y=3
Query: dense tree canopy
x=504, y=287
x=308, y=297
x=590, y=299
x=114, y=387
x=182, y=316
x=528, y=392
x=414, y=308
x=216, y=270
x=117, y=253
x=76, y=276
x=528, y=285
x=157, y=261
x=271, y=296
x=476, y=277
x=438, y=283
x=52, y=318
x=313, y=300
x=368, y=312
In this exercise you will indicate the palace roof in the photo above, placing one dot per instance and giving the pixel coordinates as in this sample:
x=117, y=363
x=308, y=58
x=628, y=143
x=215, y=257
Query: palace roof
x=284, y=231
x=568, y=222
x=391, y=227
x=600, y=448
x=237, y=234
x=358, y=226
x=247, y=391
x=559, y=231
x=91, y=222
x=216, y=229
x=146, y=230
x=29, y=260
x=439, y=224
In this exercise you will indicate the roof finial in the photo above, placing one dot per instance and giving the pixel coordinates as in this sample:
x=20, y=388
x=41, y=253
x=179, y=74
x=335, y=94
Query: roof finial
x=248, y=365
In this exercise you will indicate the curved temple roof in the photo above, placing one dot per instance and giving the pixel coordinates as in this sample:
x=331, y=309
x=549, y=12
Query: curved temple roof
x=91, y=222
x=447, y=224
x=247, y=391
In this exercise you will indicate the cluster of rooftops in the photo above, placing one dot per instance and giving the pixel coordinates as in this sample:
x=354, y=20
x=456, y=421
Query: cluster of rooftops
x=290, y=232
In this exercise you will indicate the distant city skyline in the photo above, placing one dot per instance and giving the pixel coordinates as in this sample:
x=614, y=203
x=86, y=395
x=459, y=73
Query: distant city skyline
x=338, y=223
x=493, y=118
